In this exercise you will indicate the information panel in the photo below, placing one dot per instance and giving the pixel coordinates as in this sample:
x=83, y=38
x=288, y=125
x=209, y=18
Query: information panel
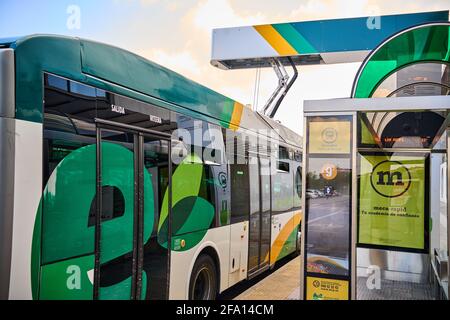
x=392, y=201
x=326, y=289
x=329, y=137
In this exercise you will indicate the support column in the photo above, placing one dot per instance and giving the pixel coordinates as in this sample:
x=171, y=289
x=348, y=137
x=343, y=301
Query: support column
x=448, y=211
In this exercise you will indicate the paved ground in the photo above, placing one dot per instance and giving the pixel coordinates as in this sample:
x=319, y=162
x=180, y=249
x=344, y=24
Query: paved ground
x=282, y=284
x=329, y=217
x=395, y=290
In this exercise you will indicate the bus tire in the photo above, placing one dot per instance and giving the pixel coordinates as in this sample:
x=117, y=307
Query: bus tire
x=203, y=283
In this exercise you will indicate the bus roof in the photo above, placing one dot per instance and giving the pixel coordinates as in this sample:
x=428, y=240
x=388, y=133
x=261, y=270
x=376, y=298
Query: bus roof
x=109, y=68
x=119, y=71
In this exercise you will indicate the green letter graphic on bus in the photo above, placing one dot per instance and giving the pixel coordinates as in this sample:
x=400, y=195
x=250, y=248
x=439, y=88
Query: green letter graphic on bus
x=63, y=240
x=67, y=228
x=191, y=215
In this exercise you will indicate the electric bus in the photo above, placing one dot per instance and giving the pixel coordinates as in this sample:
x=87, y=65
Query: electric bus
x=120, y=179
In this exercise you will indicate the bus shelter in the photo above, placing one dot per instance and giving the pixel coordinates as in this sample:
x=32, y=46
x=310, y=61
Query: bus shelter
x=375, y=176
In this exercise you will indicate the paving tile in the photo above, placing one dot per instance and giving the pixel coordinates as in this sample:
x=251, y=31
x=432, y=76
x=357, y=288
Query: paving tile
x=395, y=290
x=282, y=284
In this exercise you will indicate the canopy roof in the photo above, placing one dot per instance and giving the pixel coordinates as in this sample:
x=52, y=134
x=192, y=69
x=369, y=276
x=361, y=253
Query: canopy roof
x=309, y=42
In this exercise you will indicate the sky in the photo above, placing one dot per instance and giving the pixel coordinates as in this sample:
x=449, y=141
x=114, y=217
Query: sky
x=177, y=35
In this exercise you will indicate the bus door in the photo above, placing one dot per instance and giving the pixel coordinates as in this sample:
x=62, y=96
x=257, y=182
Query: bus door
x=260, y=225
x=266, y=214
x=132, y=213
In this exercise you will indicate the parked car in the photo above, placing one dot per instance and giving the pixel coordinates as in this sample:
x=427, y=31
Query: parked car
x=321, y=194
x=310, y=194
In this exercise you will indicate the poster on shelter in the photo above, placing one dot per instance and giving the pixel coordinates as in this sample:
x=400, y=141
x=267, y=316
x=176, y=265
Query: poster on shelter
x=330, y=137
x=326, y=289
x=392, y=201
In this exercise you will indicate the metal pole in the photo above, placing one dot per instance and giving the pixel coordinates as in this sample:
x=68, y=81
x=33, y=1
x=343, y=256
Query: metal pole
x=354, y=207
x=303, y=228
x=448, y=208
x=98, y=214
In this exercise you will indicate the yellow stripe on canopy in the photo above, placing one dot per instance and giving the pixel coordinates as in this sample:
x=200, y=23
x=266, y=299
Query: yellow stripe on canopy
x=275, y=40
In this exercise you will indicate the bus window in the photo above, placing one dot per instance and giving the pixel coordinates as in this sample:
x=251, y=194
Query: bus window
x=199, y=166
x=239, y=192
x=283, y=157
x=239, y=175
x=156, y=256
x=68, y=187
x=298, y=187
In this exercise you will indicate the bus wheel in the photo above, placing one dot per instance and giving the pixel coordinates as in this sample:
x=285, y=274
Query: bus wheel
x=203, y=283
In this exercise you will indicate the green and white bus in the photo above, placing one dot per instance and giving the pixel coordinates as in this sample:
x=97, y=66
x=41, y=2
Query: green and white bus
x=120, y=179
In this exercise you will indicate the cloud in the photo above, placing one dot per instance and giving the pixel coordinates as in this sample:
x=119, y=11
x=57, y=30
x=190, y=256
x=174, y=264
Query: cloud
x=148, y=2
x=192, y=54
x=311, y=9
x=332, y=9
x=327, y=9
x=172, y=6
x=210, y=14
x=141, y=2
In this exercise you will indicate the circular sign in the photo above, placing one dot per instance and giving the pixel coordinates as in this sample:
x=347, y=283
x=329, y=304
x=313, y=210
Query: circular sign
x=328, y=171
x=329, y=135
x=223, y=179
x=390, y=179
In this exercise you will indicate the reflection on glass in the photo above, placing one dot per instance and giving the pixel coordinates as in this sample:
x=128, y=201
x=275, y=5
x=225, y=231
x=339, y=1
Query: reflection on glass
x=298, y=187
x=400, y=129
x=420, y=79
x=156, y=181
x=117, y=225
x=255, y=216
x=404, y=49
x=328, y=203
x=265, y=211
